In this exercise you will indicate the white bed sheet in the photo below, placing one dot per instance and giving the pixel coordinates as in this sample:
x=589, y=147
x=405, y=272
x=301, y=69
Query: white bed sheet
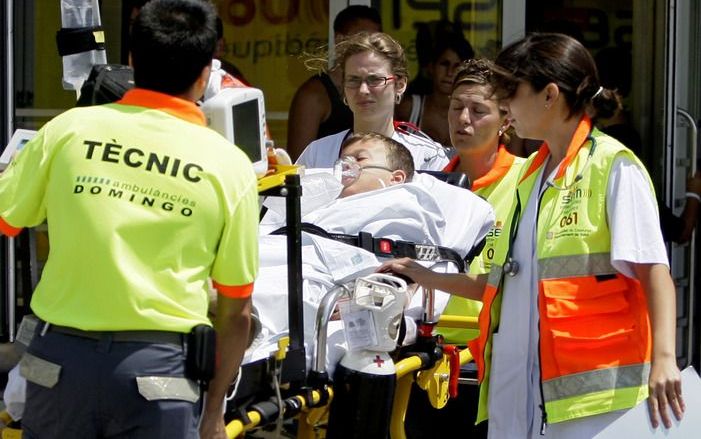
x=425, y=211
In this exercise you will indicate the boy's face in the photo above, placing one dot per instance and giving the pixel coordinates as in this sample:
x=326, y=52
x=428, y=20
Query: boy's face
x=374, y=172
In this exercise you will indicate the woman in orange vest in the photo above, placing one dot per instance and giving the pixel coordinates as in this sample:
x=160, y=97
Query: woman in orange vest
x=578, y=317
x=477, y=125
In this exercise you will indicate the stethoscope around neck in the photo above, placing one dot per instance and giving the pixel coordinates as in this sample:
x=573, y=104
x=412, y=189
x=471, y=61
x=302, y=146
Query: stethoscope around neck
x=579, y=175
x=511, y=267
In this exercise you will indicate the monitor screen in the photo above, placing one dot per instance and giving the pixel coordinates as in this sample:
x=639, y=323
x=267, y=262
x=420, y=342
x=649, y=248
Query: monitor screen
x=247, y=128
x=238, y=114
x=21, y=144
x=19, y=138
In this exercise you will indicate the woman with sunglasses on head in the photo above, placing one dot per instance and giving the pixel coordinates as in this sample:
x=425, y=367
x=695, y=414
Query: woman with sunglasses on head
x=374, y=79
x=578, y=318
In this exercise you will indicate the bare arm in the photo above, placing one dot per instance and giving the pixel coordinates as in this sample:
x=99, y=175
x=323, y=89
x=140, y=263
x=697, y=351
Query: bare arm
x=665, y=379
x=690, y=214
x=310, y=107
x=469, y=286
x=232, y=326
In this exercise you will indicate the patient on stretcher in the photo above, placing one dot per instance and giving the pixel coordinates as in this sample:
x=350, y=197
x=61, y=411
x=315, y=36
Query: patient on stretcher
x=374, y=190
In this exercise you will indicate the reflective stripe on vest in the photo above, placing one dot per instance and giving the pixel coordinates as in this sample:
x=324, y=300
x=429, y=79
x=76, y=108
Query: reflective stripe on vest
x=575, y=265
x=595, y=339
x=596, y=381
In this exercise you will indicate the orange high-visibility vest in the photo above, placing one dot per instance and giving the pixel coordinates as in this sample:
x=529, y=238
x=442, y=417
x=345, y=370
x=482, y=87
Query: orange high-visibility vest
x=595, y=342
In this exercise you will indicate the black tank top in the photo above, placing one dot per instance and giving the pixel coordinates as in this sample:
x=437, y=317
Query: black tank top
x=341, y=117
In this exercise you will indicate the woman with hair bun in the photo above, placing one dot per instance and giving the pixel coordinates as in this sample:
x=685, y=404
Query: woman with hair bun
x=585, y=242
x=578, y=318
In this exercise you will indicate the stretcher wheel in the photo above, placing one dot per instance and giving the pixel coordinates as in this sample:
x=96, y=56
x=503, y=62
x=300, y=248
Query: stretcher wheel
x=435, y=382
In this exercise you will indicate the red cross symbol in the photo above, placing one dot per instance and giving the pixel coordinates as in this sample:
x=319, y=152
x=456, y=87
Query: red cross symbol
x=378, y=361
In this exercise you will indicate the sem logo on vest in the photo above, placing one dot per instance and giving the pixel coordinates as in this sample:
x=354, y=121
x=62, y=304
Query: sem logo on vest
x=495, y=231
x=576, y=194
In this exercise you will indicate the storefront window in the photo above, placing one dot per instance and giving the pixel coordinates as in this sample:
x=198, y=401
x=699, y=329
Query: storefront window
x=267, y=40
x=410, y=21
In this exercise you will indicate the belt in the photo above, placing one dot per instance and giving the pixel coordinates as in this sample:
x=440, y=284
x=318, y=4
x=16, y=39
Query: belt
x=169, y=337
x=385, y=247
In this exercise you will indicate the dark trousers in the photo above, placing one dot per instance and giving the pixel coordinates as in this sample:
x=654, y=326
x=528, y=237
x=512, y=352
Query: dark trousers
x=84, y=388
x=456, y=419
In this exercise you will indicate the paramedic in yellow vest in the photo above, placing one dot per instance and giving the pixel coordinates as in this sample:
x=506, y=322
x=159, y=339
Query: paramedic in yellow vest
x=145, y=206
x=477, y=131
x=477, y=125
x=578, y=317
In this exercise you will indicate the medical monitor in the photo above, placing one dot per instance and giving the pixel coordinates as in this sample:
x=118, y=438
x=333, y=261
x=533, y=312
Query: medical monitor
x=239, y=115
x=16, y=143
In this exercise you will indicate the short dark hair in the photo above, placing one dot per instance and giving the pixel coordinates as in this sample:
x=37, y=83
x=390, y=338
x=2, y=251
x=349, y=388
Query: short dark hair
x=399, y=158
x=171, y=42
x=220, y=29
x=615, y=66
x=540, y=59
x=352, y=14
x=455, y=42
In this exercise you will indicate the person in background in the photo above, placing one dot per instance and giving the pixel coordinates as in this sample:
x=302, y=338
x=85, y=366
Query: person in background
x=108, y=356
x=317, y=109
x=680, y=228
x=428, y=36
x=578, y=318
x=374, y=71
x=429, y=112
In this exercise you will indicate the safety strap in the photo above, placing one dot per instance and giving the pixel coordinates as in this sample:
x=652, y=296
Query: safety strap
x=80, y=39
x=388, y=248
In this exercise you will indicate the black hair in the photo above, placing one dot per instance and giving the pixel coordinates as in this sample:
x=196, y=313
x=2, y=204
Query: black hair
x=615, y=65
x=455, y=42
x=171, y=42
x=540, y=59
x=138, y=4
x=353, y=13
x=398, y=156
x=220, y=29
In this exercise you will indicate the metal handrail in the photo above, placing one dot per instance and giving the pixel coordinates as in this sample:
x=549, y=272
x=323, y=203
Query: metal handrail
x=11, y=284
x=323, y=315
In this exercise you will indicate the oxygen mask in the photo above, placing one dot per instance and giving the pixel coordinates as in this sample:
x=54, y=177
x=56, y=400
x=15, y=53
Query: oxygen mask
x=347, y=170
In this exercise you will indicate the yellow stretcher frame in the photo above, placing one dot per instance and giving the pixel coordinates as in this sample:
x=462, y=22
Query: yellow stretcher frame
x=408, y=371
x=277, y=178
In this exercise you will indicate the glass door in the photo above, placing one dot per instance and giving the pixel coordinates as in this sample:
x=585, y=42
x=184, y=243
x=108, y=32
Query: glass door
x=681, y=97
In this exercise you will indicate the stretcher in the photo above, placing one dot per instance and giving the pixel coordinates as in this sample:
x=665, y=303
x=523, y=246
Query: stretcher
x=275, y=390
x=283, y=387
